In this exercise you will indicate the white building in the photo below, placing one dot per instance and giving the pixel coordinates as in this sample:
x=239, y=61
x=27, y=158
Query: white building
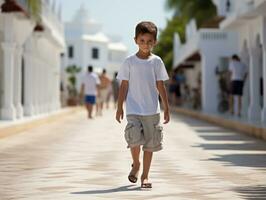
x=29, y=60
x=88, y=45
x=247, y=19
x=243, y=31
x=203, y=50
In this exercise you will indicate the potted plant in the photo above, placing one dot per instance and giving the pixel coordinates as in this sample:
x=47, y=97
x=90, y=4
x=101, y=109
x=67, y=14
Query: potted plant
x=72, y=71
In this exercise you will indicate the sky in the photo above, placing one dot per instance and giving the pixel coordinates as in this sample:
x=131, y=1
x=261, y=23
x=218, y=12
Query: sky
x=119, y=17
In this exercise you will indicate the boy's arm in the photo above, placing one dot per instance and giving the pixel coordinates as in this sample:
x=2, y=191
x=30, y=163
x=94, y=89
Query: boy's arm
x=163, y=95
x=121, y=98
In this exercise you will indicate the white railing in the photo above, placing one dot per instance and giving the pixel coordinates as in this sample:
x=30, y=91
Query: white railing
x=213, y=35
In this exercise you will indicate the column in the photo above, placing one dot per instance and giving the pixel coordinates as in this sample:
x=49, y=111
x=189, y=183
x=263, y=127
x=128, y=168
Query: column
x=57, y=80
x=263, y=113
x=18, y=82
x=254, y=108
x=245, y=98
x=209, y=83
x=38, y=85
x=8, y=111
x=29, y=84
x=35, y=86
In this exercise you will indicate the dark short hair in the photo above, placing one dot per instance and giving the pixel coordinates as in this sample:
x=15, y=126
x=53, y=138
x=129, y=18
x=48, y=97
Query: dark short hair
x=235, y=57
x=146, y=27
x=104, y=71
x=90, y=68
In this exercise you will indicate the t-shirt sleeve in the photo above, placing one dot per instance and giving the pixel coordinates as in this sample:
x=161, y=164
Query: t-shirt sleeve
x=123, y=73
x=160, y=71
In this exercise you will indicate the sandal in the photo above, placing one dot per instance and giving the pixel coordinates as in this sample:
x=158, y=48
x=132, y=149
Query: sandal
x=145, y=184
x=133, y=178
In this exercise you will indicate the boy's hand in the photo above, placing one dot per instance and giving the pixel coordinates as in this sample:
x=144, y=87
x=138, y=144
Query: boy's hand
x=166, y=116
x=119, y=115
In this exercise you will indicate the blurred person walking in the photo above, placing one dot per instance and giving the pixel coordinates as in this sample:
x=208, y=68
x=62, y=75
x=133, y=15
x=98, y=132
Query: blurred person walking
x=105, y=82
x=90, y=88
x=238, y=74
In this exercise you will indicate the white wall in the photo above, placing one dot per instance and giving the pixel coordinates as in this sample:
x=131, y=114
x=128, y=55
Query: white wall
x=212, y=51
x=1, y=71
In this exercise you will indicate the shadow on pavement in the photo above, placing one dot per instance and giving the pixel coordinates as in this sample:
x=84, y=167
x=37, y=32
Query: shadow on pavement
x=243, y=160
x=217, y=138
x=252, y=192
x=118, y=189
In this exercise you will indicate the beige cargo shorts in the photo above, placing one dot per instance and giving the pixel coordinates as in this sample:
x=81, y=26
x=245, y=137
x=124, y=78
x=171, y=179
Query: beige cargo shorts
x=144, y=130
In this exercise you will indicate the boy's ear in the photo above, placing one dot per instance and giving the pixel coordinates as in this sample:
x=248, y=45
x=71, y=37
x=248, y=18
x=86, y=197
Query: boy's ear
x=135, y=39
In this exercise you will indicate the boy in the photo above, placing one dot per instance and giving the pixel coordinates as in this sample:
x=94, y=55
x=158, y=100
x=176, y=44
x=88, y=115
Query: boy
x=90, y=86
x=142, y=77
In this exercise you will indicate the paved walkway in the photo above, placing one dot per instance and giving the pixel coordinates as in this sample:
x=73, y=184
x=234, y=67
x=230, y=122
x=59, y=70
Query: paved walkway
x=75, y=158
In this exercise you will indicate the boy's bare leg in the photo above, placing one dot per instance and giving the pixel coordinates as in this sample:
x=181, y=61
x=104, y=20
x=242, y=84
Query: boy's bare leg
x=135, y=152
x=147, y=157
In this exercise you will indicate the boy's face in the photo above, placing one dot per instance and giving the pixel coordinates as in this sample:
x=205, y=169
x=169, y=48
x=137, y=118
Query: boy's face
x=145, y=42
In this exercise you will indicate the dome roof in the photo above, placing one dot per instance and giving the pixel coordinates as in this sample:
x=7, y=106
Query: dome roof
x=82, y=14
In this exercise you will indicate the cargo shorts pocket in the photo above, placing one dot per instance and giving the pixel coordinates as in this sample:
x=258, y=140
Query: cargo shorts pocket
x=158, y=135
x=133, y=135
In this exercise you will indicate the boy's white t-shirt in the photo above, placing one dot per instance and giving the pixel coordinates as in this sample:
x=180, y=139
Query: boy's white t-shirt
x=90, y=81
x=142, y=74
x=238, y=70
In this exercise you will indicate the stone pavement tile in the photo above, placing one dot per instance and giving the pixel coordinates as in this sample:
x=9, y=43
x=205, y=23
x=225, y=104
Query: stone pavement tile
x=78, y=158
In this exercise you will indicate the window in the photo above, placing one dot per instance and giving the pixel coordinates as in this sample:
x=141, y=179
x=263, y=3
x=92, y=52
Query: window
x=70, y=51
x=95, y=53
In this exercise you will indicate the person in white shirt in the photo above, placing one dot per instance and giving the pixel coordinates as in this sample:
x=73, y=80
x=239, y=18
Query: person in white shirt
x=90, y=87
x=142, y=77
x=238, y=74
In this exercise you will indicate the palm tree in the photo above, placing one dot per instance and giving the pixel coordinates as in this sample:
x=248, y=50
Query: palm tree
x=200, y=10
x=35, y=8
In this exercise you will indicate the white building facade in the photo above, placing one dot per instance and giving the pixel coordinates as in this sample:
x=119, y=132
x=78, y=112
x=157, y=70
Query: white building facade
x=29, y=60
x=247, y=19
x=242, y=32
x=88, y=45
x=203, y=50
